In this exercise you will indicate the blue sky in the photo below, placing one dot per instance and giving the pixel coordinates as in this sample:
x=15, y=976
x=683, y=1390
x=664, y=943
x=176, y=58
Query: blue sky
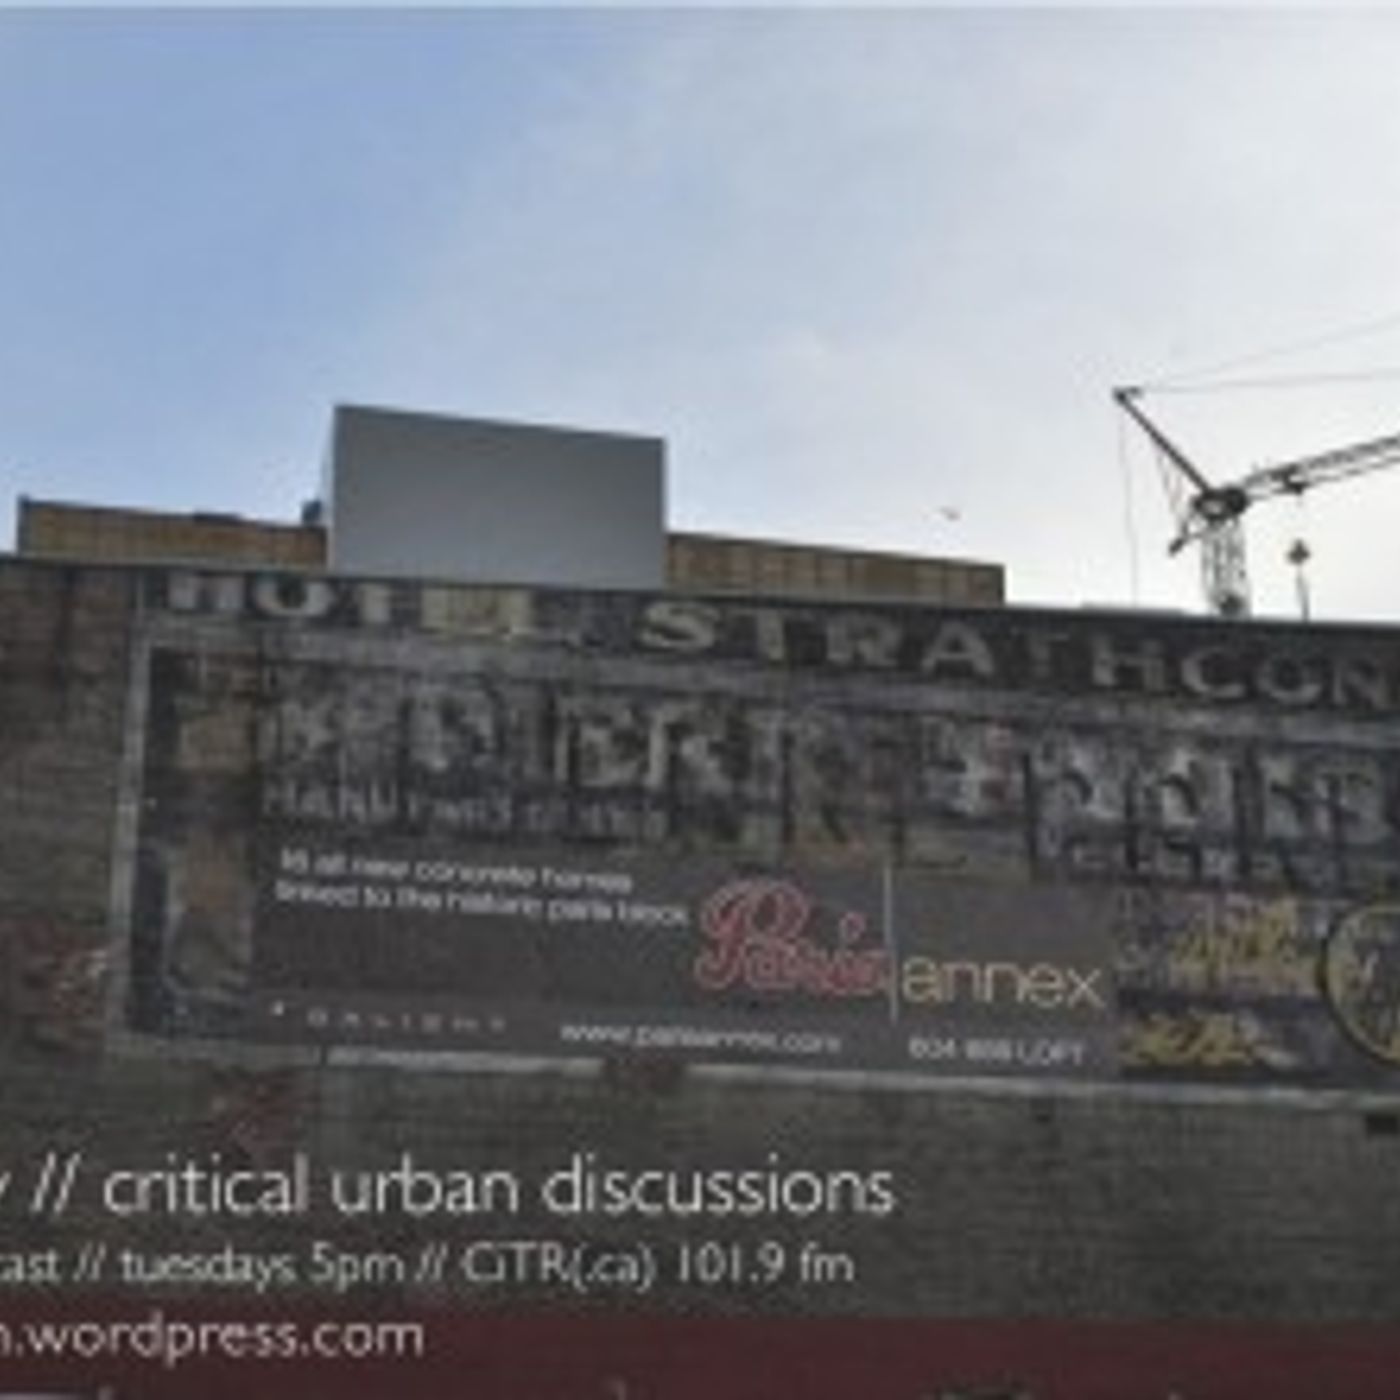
x=870, y=273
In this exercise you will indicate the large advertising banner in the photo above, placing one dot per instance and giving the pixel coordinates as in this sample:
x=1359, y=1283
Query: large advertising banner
x=820, y=836
x=545, y=952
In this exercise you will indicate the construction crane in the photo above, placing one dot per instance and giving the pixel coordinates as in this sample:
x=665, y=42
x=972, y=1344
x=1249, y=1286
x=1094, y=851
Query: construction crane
x=1212, y=515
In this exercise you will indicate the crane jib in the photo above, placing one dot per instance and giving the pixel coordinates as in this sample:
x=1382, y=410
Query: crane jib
x=1212, y=514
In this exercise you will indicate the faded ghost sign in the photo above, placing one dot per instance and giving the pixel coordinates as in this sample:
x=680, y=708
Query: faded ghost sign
x=584, y=823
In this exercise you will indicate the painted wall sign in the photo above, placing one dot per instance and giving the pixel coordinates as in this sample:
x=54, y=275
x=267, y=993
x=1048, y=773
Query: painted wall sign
x=836, y=836
x=1130, y=654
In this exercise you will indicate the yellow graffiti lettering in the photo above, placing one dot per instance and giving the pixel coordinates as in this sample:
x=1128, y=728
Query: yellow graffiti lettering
x=1245, y=946
x=1203, y=1039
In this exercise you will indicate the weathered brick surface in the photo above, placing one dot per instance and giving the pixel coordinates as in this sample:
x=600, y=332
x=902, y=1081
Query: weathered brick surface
x=1106, y=1203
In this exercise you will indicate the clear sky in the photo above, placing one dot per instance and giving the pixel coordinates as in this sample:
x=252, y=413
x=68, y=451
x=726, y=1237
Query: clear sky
x=872, y=274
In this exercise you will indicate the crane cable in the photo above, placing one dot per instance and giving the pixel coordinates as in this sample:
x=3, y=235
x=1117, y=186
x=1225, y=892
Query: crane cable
x=1179, y=383
x=1279, y=381
x=1129, y=512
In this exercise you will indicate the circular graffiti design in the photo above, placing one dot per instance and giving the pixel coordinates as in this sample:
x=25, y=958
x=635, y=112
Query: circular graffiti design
x=1361, y=978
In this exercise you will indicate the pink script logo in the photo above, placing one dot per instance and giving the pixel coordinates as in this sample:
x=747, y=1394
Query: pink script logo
x=759, y=940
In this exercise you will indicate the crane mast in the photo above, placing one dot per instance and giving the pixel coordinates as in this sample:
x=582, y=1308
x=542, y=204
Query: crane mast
x=1212, y=516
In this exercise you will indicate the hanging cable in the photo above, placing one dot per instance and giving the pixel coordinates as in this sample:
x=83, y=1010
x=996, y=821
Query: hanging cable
x=1282, y=381
x=1129, y=514
x=1352, y=332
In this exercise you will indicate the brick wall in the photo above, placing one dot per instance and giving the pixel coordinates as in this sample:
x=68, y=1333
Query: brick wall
x=1097, y=1201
